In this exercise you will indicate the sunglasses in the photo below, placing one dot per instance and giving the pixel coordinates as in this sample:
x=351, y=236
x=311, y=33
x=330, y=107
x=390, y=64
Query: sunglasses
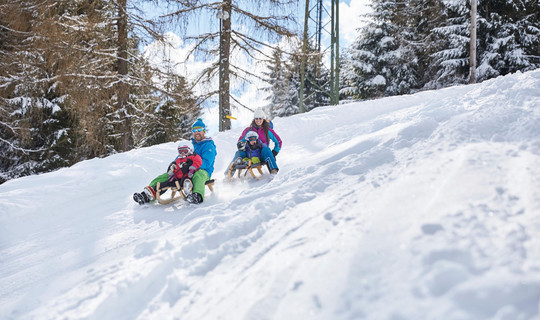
x=198, y=130
x=259, y=118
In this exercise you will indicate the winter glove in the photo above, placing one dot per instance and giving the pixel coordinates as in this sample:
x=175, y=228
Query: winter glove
x=184, y=168
x=275, y=153
x=241, y=145
x=192, y=170
x=172, y=169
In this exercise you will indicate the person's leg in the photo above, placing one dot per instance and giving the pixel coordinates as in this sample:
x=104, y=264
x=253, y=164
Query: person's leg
x=161, y=178
x=151, y=188
x=199, y=179
x=238, y=155
x=268, y=157
x=149, y=192
x=167, y=183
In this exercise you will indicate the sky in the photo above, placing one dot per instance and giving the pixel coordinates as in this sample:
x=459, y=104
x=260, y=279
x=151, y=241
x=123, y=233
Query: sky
x=423, y=206
x=250, y=94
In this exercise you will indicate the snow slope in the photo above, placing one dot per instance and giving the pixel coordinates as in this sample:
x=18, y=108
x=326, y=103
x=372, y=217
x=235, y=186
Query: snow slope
x=424, y=206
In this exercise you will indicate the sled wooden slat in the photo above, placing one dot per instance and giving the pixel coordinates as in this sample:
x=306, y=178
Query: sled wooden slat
x=210, y=184
x=173, y=194
x=177, y=192
x=248, y=167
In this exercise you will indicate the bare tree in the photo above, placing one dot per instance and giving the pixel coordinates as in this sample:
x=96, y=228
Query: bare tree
x=244, y=27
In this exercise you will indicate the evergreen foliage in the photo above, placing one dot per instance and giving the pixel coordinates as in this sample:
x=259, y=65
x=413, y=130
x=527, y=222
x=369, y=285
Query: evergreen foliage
x=510, y=37
x=382, y=61
x=452, y=58
x=283, y=93
x=415, y=45
x=284, y=80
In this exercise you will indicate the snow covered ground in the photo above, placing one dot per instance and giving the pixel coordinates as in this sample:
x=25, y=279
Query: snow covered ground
x=424, y=206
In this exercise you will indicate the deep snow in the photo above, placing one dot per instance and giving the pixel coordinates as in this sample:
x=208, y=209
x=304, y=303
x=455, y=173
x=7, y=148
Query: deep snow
x=424, y=206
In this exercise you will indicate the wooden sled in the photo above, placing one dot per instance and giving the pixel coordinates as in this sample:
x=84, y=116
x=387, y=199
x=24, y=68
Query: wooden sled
x=177, y=191
x=248, y=166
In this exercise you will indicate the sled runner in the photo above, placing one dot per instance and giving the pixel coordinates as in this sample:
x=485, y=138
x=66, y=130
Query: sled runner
x=178, y=191
x=248, y=166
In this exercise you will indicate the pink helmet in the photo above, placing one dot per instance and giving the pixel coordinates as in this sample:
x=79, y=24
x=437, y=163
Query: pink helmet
x=184, y=149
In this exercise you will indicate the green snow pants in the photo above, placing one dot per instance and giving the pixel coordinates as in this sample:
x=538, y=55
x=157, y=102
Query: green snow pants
x=161, y=178
x=199, y=179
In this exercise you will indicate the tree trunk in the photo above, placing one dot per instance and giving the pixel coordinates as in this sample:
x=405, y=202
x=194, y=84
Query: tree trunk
x=301, y=108
x=472, y=57
x=224, y=55
x=123, y=88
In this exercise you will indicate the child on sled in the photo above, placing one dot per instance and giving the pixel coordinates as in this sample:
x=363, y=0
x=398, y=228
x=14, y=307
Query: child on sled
x=251, y=148
x=184, y=166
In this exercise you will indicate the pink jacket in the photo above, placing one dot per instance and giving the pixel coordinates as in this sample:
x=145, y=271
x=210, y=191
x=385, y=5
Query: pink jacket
x=272, y=135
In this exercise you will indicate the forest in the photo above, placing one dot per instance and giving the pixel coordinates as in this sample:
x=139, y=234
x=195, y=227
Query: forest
x=75, y=84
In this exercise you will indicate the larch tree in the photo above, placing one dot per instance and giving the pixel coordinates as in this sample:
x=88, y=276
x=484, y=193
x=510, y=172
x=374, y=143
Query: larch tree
x=123, y=107
x=35, y=126
x=244, y=27
x=74, y=85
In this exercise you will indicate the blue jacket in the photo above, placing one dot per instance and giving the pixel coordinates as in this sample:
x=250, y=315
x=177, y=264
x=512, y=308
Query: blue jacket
x=255, y=150
x=206, y=148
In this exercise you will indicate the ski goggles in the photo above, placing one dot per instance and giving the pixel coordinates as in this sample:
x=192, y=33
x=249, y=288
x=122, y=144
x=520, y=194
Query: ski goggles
x=252, y=139
x=183, y=151
x=198, y=129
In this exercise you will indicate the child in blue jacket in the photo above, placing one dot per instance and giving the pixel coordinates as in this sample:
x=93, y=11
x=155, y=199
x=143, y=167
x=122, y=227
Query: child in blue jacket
x=253, y=150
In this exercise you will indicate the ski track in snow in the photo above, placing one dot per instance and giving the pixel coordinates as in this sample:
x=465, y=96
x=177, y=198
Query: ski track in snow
x=413, y=207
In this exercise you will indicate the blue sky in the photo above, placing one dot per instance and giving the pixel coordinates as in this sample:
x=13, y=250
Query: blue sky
x=349, y=18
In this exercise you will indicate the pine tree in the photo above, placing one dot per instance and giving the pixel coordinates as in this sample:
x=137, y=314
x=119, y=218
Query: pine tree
x=316, y=83
x=284, y=78
x=452, y=57
x=171, y=118
x=368, y=71
x=420, y=17
x=508, y=40
x=424, y=44
x=510, y=37
x=283, y=95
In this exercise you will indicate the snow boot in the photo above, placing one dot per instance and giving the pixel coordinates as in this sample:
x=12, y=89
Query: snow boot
x=140, y=198
x=194, y=198
x=146, y=196
x=187, y=186
x=232, y=167
x=149, y=193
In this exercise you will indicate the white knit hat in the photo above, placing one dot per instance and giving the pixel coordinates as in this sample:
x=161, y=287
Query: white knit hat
x=259, y=113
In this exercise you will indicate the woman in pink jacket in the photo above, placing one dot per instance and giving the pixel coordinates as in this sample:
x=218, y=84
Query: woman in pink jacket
x=265, y=131
x=266, y=134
